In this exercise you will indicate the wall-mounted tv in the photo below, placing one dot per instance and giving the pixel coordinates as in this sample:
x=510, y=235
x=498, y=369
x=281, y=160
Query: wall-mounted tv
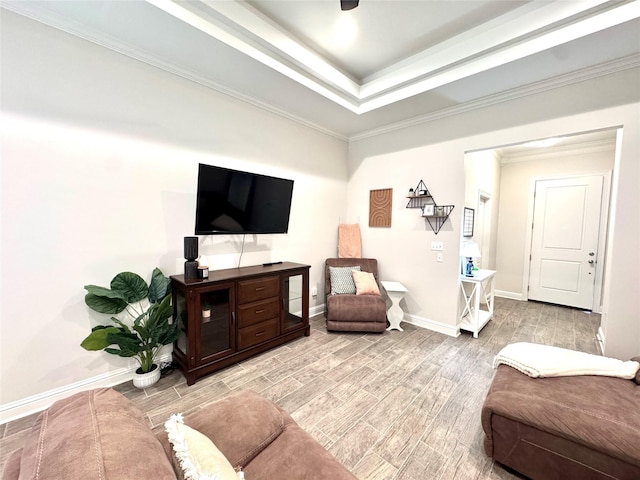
x=232, y=202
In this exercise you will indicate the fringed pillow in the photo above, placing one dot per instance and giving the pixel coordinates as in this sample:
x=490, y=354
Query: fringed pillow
x=195, y=456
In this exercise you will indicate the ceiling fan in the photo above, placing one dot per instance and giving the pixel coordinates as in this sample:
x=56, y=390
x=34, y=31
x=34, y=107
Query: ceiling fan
x=348, y=4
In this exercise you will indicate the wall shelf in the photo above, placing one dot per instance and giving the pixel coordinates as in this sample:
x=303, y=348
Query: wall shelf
x=436, y=215
x=419, y=200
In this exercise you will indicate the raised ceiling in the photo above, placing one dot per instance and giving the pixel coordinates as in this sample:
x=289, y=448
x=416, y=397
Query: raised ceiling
x=408, y=61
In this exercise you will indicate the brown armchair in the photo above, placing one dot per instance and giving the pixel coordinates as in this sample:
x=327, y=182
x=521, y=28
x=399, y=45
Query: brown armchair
x=351, y=312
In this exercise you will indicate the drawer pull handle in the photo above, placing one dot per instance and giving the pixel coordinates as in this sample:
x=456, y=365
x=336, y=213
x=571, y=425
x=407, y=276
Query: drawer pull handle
x=260, y=333
x=259, y=311
x=259, y=288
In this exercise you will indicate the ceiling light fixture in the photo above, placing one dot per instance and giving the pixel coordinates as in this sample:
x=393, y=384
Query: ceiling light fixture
x=345, y=31
x=348, y=4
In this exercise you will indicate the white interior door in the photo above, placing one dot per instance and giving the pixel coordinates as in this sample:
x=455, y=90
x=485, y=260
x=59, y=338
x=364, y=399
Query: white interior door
x=566, y=226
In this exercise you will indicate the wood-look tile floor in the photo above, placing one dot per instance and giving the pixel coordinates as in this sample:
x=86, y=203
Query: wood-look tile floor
x=391, y=406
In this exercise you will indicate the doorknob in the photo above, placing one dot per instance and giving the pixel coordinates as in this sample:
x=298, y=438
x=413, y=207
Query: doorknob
x=592, y=262
x=591, y=254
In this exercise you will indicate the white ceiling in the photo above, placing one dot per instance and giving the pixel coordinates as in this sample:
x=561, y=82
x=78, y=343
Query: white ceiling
x=410, y=61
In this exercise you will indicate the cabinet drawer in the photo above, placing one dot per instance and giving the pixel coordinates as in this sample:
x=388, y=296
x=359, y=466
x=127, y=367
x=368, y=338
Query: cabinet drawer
x=258, y=289
x=256, y=312
x=254, y=334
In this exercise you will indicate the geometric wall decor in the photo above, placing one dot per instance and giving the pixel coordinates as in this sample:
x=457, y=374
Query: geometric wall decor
x=435, y=215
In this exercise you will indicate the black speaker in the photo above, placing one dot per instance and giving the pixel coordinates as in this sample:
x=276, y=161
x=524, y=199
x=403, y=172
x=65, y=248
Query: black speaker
x=191, y=248
x=190, y=270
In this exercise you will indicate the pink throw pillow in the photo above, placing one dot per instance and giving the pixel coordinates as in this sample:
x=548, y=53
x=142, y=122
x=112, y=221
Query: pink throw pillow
x=365, y=283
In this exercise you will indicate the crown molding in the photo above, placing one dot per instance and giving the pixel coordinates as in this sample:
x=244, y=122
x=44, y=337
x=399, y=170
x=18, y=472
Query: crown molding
x=559, y=151
x=52, y=18
x=99, y=38
x=578, y=76
x=526, y=30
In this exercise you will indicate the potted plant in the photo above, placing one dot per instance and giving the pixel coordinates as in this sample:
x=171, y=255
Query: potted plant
x=149, y=325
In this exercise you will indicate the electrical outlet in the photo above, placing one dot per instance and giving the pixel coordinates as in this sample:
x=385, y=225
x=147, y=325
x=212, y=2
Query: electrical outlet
x=314, y=292
x=437, y=246
x=439, y=257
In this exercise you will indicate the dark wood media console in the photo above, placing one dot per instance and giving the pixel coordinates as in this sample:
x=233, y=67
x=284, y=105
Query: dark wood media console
x=237, y=313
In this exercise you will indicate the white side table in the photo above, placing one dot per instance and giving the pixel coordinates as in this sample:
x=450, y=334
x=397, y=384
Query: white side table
x=395, y=314
x=473, y=318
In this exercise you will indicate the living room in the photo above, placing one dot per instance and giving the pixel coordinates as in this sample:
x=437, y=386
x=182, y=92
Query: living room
x=99, y=164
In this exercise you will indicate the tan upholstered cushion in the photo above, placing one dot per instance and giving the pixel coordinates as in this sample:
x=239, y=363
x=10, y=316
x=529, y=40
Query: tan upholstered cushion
x=11, y=469
x=365, y=283
x=94, y=434
x=195, y=457
x=596, y=411
x=240, y=425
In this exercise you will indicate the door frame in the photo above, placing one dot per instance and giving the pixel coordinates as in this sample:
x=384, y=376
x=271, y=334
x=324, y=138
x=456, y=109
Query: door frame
x=596, y=305
x=487, y=227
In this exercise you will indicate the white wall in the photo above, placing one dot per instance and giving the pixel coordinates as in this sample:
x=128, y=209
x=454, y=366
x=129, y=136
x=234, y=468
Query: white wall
x=404, y=251
x=434, y=151
x=99, y=168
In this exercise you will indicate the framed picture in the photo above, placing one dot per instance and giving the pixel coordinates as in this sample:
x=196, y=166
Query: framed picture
x=380, y=207
x=467, y=222
x=440, y=211
x=427, y=210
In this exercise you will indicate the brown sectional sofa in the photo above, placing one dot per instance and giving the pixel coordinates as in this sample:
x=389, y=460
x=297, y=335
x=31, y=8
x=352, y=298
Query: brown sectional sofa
x=99, y=434
x=574, y=427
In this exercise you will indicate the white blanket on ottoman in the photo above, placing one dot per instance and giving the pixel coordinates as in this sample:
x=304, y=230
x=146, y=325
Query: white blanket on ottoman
x=538, y=360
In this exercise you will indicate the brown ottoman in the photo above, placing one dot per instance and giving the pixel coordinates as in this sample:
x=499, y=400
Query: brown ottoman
x=579, y=427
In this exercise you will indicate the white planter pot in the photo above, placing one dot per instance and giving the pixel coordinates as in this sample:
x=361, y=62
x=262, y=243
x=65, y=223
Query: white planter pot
x=144, y=380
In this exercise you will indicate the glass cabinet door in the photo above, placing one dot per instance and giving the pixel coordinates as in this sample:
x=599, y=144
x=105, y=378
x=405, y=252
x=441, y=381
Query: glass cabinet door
x=295, y=303
x=207, y=323
x=180, y=314
x=214, y=318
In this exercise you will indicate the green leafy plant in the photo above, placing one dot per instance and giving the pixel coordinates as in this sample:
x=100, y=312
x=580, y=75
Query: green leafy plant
x=148, y=305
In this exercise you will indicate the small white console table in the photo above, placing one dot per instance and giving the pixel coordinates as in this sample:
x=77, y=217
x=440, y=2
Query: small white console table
x=473, y=318
x=395, y=314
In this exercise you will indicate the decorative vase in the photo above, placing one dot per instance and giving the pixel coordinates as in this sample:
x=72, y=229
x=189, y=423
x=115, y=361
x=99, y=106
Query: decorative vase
x=144, y=380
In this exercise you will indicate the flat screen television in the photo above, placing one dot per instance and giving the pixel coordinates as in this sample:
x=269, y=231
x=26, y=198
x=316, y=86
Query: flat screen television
x=231, y=202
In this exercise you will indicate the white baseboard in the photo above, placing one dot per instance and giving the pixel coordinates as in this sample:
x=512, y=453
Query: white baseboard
x=317, y=310
x=511, y=295
x=451, y=330
x=37, y=403
x=421, y=322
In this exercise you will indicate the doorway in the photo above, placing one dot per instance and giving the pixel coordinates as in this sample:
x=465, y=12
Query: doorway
x=509, y=197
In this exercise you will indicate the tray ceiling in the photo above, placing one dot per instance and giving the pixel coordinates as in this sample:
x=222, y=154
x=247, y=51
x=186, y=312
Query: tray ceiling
x=402, y=61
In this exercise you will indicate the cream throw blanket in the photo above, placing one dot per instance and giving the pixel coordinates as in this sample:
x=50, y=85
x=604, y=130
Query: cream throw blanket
x=538, y=360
